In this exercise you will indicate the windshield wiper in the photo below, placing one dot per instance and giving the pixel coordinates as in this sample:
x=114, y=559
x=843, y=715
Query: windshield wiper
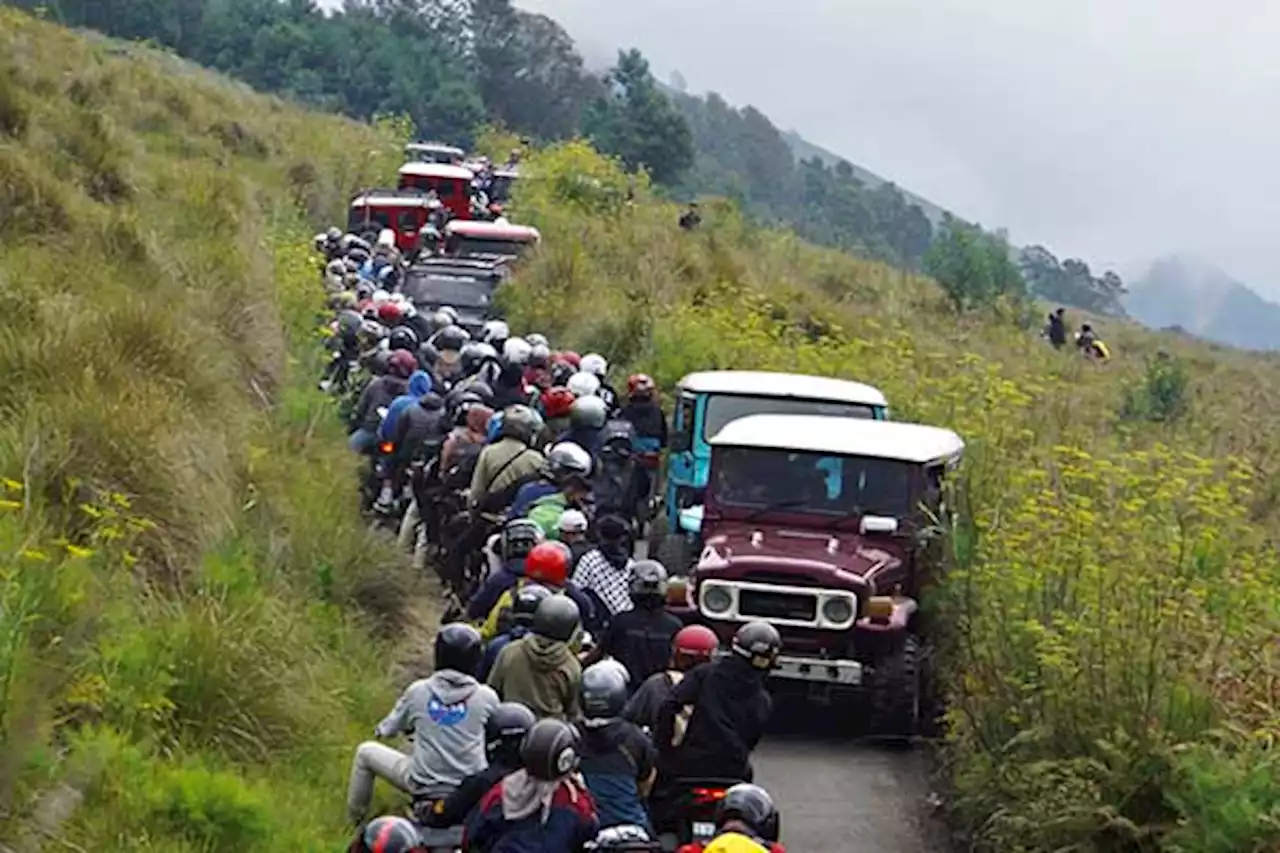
x=787, y=504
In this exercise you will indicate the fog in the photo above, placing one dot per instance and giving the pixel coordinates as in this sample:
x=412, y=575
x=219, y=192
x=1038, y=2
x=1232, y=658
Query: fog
x=1116, y=130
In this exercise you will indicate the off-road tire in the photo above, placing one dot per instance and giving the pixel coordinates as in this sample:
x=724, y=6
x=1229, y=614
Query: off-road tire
x=894, y=695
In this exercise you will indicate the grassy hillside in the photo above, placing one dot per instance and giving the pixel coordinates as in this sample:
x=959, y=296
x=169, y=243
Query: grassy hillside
x=189, y=609
x=1112, y=666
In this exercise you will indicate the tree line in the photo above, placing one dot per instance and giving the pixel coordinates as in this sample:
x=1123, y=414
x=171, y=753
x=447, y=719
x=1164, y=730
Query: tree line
x=454, y=65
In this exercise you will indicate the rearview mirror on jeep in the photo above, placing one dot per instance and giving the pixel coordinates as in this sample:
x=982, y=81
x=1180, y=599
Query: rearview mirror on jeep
x=878, y=524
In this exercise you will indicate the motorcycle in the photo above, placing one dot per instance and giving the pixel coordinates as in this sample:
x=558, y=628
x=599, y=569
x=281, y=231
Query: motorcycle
x=685, y=812
x=447, y=840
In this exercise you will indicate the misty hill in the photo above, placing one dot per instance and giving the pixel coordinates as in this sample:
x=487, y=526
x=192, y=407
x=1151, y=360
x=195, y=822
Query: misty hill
x=803, y=149
x=1205, y=301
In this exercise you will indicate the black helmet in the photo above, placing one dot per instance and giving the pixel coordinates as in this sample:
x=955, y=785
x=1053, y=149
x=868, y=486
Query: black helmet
x=518, y=538
x=603, y=690
x=550, y=750
x=460, y=648
x=556, y=618
x=753, y=806
x=560, y=373
x=481, y=390
x=390, y=835
x=349, y=323
x=526, y=603
x=648, y=580
x=759, y=643
x=403, y=337
x=504, y=731
x=451, y=338
x=428, y=354
x=380, y=364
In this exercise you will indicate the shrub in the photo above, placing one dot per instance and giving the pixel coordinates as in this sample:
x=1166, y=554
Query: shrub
x=1162, y=395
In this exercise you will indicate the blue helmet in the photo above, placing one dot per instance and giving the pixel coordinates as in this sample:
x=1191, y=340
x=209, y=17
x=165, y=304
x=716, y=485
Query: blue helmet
x=495, y=428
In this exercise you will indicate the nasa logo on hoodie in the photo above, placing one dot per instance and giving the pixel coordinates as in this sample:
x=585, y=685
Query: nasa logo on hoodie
x=445, y=714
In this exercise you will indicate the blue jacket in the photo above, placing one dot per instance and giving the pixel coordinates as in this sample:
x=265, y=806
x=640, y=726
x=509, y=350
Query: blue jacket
x=494, y=586
x=419, y=387
x=528, y=493
x=496, y=645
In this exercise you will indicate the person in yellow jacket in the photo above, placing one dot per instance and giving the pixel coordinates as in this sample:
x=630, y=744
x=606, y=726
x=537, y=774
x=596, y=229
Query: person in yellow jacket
x=747, y=821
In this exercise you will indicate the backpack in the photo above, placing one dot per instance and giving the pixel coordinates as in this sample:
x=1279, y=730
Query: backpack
x=459, y=476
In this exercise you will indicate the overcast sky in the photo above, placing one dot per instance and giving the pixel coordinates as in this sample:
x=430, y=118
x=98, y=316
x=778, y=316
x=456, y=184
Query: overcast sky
x=1117, y=130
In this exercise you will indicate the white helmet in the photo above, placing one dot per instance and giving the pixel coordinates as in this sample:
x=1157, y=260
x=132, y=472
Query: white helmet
x=400, y=299
x=516, y=351
x=450, y=310
x=380, y=296
x=538, y=340
x=386, y=237
x=496, y=330
x=583, y=384
x=594, y=363
x=541, y=353
x=573, y=521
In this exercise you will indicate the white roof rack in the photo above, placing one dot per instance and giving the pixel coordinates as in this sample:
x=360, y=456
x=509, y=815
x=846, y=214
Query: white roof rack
x=915, y=443
x=438, y=170
x=759, y=383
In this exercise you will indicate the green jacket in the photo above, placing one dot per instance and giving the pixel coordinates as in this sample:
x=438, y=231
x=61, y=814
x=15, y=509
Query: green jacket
x=540, y=673
x=500, y=465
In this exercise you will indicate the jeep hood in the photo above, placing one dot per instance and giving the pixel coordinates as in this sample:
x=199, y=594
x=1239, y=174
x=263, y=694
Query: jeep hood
x=837, y=559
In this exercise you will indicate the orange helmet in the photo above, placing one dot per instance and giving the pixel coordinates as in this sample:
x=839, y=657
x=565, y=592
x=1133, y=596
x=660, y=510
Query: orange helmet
x=556, y=402
x=641, y=385
x=547, y=564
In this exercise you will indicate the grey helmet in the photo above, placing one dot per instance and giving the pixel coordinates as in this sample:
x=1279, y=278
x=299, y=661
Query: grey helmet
x=588, y=413
x=648, y=580
x=556, y=618
x=604, y=690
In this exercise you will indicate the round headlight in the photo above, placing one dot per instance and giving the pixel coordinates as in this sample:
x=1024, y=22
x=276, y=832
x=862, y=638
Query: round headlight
x=837, y=610
x=717, y=599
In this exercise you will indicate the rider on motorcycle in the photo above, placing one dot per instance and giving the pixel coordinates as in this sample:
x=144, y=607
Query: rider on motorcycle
x=548, y=566
x=587, y=418
x=604, y=573
x=730, y=710
x=379, y=394
x=596, y=365
x=542, y=807
x=556, y=404
x=504, y=731
x=693, y=645
x=516, y=541
x=539, y=669
x=618, y=760
x=520, y=621
x=747, y=821
x=573, y=532
x=644, y=412
x=508, y=460
x=446, y=714
x=640, y=638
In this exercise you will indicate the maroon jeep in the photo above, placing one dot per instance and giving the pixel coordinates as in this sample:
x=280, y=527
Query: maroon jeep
x=823, y=527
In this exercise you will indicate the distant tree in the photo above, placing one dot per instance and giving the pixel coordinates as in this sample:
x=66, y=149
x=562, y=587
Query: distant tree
x=1071, y=282
x=973, y=266
x=637, y=123
x=677, y=82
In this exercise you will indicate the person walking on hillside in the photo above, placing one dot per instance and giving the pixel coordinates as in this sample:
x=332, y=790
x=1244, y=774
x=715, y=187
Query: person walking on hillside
x=1056, y=331
x=691, y=219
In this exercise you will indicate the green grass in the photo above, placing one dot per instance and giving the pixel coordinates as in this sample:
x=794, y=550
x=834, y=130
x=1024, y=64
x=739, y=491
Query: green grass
x=195, y=629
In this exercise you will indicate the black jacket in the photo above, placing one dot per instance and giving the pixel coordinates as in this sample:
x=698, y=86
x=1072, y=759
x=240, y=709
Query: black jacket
x=641, y=640
x=418, y=424
x=379, y=393
x=646, y=416
x=730, y=710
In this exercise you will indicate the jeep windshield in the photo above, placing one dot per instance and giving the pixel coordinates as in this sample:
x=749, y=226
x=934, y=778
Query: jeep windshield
x=803, y=483
x=722, y=408
x=433, y=288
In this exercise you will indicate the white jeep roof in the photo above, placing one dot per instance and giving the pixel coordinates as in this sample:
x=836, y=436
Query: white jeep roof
x=759, y=383
x=437, y=170
x=433, y=146
x=914, y=443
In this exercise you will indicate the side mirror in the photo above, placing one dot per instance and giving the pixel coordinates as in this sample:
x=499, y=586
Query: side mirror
x=878, y=524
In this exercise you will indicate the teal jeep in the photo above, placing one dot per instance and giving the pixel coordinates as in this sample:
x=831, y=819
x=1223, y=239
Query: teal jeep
x=705, y=402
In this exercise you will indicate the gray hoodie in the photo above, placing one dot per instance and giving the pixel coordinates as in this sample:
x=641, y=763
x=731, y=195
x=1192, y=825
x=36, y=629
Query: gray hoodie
x=446, y=714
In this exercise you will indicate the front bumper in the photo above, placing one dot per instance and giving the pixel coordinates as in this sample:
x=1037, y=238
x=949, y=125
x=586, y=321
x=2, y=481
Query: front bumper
x=847, y=673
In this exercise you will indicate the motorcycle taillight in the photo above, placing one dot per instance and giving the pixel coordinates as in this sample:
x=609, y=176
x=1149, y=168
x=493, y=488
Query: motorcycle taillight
x=386, y=447
x=706, y=796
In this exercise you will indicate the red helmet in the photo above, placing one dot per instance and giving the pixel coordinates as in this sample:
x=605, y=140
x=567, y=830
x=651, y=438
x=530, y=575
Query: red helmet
x=390, y=313
x=556, y=402
x=641, y=385
x=571, y=357
x=547, y=564
x=692, y=645
x=402, y=364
